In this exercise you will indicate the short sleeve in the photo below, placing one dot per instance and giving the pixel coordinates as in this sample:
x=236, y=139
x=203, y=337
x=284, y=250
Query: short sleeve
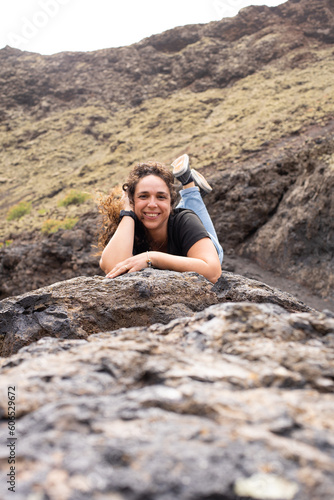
x=186, y=229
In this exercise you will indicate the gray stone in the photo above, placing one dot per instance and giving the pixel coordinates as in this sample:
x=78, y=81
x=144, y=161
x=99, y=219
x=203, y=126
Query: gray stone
x=79, y=307
x=236, y=399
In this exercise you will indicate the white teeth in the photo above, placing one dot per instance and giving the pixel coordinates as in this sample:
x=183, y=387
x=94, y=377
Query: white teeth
x=152, y=215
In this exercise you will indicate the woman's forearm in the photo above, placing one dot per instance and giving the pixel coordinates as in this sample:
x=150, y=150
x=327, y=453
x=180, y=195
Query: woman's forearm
x=210, y=269
x=120, y=246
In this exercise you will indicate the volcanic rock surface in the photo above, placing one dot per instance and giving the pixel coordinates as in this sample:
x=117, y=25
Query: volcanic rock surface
x=233, y=401
x=82, y=306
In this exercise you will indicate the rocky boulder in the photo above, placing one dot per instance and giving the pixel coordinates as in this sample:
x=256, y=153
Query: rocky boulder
x=278, y=210
x=233, y=402
x=77, y=308
x=34, y=260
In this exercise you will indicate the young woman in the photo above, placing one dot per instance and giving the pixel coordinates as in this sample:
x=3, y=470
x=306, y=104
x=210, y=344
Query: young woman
x=149, y=232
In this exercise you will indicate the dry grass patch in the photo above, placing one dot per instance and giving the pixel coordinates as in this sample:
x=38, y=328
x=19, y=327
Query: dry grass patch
x=51, y=226
x=92, y=149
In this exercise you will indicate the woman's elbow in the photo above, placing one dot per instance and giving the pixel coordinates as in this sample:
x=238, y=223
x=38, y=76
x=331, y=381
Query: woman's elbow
x=214, y=279
x=215, y=274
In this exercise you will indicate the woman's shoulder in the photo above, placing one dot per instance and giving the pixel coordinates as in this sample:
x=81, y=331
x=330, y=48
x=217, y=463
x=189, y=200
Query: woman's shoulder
x=181, y=216
x=181, y=213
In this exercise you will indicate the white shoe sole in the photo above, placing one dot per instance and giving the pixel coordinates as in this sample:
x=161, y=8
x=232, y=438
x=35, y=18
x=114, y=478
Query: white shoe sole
x=200, y=181
x=180, y=165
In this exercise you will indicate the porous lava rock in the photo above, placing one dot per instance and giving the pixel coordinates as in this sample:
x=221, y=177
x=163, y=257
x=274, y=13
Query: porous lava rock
x=279, y=211
x=233, y=402
x=34, y=260
x=77, y=308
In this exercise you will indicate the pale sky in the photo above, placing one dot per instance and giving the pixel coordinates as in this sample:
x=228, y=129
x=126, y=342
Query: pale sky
x=51, y=26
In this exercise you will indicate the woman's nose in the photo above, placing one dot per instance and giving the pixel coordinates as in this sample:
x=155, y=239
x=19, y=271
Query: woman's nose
x=152, y=201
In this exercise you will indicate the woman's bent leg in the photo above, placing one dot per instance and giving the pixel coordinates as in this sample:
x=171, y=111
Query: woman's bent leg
x=192, y=199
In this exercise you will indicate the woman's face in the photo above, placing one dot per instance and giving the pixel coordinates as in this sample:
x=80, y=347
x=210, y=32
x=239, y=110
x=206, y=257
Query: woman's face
x=152, y=202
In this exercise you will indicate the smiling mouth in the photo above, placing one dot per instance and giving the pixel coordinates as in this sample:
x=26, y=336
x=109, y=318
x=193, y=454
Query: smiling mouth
x=152, y=215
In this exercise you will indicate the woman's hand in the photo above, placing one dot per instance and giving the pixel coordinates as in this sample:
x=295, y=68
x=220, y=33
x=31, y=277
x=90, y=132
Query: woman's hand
x=202, y=258
x=125, y=202
x=131, y=265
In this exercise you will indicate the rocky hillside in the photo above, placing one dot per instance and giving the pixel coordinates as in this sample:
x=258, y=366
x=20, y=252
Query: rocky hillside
x=250, y=99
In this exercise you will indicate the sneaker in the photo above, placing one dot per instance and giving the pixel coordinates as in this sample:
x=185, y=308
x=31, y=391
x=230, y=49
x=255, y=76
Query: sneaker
x=181, y=169
x=201, y=182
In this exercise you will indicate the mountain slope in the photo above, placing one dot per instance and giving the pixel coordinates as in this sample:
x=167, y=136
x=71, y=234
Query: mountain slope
x=250, y=99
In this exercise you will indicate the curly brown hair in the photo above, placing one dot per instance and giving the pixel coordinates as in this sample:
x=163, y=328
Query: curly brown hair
x=111, y=205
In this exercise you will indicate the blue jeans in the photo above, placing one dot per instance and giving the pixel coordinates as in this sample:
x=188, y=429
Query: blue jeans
x=191, y=198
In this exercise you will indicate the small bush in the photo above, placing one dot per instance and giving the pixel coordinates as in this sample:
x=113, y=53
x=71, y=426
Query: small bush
x=52, y=226
x=74, y=198
x=6, y=244
x=19, y=210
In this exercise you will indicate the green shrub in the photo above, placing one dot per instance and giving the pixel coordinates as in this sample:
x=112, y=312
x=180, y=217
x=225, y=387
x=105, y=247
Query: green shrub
x=52, y=225
x=74, y=198
x=6, y=244
x=19, y=210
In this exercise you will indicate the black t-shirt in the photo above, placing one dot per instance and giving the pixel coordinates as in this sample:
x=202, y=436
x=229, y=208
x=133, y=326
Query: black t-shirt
x=184, y=230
